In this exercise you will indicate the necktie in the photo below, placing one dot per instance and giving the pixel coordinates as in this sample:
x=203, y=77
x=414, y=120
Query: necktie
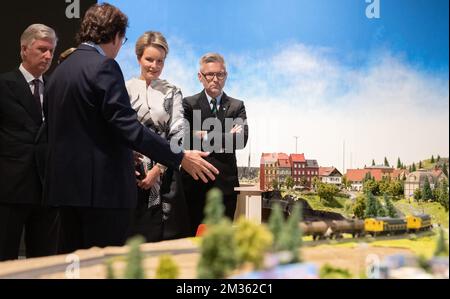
x=214, y=106
x=36, y=95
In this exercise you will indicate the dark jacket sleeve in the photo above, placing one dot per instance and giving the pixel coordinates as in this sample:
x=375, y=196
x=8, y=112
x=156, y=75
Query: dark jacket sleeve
x=116, y=109
x=188, y=133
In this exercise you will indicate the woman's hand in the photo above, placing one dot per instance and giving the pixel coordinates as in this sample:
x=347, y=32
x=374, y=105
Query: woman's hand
x=137, y=158
x=150, y=179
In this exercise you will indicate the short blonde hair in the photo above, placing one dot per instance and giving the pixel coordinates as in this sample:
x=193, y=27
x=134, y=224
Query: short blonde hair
x=151, y=39
x=212, y=57
x=36, y=32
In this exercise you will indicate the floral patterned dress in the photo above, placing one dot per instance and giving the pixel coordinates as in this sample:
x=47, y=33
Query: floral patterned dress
x=159, y=107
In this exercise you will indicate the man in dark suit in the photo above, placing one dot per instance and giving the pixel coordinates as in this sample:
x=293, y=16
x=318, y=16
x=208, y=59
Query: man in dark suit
x=23, y=149
x=218, y=123
x=92, y=130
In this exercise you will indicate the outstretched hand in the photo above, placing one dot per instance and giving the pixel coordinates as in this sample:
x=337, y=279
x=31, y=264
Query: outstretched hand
x=194, y=164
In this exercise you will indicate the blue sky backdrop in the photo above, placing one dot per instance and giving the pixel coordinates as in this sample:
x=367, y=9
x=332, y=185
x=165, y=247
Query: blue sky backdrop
x=415, y=28
x=322, y=64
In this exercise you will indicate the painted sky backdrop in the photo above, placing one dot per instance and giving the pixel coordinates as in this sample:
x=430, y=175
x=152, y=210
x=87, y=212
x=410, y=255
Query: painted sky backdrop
x=318, y=69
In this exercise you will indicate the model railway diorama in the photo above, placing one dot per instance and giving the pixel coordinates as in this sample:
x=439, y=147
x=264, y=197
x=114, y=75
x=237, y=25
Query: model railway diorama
x=323, y=225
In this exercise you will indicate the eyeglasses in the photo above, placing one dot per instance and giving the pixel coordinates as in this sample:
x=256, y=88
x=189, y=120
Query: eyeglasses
x=124, y=40
x=210, y=76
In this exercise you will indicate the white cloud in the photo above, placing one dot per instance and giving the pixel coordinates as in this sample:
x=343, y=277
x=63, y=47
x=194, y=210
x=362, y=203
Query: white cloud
x=387, y=108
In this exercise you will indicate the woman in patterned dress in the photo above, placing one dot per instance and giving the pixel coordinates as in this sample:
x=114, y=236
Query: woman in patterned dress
x=162, y=211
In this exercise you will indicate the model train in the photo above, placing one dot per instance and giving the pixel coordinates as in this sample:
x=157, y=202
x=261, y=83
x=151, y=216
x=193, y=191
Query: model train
x=335, y=229
x=331, y=225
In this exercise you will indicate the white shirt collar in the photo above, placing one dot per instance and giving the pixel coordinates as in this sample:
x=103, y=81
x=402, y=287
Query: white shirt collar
x=28, y=76
x=219, y=98
x=96, y=46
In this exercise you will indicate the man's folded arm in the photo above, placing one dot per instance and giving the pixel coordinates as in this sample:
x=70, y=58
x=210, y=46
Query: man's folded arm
x=239, y=139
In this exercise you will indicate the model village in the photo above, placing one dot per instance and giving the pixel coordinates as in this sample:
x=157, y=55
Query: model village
x=294, y=219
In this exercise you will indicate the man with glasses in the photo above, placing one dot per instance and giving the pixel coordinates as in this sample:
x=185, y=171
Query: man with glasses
x=223, y=130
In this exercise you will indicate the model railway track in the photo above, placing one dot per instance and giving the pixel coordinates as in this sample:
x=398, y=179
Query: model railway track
x=368, y=239
x=61, y=268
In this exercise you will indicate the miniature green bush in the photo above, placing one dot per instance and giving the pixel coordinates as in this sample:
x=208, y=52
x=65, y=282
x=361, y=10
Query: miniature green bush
x=134, y=269
x=218, y=247
x=329, y=272
x=109, y=270
x=167, y=269
x=214, y=208
x=218, y=252
x=390, y=209
x=276, y=224
x=252, y=240
x=441, y=245
x=291, y=236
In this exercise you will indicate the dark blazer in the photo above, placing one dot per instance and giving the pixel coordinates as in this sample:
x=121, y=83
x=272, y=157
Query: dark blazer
x=92, y=130
x=230, y=108
x=22, y=142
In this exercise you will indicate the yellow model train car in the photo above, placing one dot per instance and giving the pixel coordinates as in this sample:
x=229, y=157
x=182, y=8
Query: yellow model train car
x=384, y=226
x=420, y=222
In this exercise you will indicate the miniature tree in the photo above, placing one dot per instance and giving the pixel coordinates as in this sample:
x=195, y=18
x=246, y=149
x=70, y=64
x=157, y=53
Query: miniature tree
x=134, y=269
x=367, y=177
x=436, y=191
x=371, y=206
x=109, y=270
x=399, y=163
x=304, y=182
x=252, y=241
x=384, y=185
x=218, y=252
x=359, y=207
x=432, y=159
x=426, y=192
x=289, y=182
x=390, y=209
x=214, y=209
x=438, y=158
x=276, y=224
x=329, y=272
x=386, y=163
x=441, y=245
x=381, y=212
x=413, y=167
x=327, y=192
x=420, y=165
x=396, y=188
x=418, y=194
x=275, y=185
x=291, y=236
x=443, y=194
x=444, y=169
x=345, y=182
x=373, y=162
x=218, y=246
x=371, y=186
x=167, y=269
